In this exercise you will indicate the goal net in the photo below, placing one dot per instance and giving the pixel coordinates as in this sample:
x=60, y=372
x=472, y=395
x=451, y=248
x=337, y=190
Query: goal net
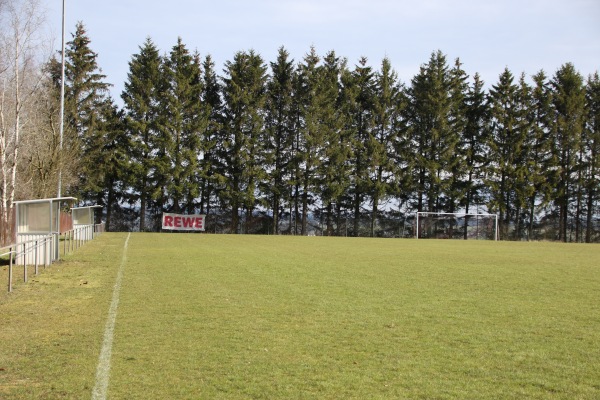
x=439, y=225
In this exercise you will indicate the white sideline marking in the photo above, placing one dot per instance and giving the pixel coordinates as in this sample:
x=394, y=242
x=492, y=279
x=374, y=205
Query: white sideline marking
x=103, y=370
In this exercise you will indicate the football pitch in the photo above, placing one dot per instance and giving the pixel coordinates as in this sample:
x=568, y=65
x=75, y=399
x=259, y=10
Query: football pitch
x=189, y=316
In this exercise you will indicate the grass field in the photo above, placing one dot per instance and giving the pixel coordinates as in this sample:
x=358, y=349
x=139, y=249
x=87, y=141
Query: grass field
x=256, y=317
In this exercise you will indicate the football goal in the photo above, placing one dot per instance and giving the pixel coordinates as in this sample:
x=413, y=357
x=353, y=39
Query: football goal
x=440, y=225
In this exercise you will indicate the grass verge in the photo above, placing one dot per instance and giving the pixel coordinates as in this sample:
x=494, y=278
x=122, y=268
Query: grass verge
x=51, y=327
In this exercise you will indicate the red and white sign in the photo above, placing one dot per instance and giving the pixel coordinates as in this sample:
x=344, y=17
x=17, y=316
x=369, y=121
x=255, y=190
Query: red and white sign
x=179, y=222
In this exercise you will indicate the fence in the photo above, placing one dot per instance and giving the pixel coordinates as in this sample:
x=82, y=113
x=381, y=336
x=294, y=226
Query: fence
x=43, y=251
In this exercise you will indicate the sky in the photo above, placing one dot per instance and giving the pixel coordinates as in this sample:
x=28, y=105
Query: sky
x=488, y=36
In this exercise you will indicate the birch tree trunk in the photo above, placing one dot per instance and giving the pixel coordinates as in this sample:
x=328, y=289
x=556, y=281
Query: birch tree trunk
x=20, y=73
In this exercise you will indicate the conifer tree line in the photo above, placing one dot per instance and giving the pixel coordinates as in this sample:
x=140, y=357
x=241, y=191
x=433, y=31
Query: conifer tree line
x=323, y=146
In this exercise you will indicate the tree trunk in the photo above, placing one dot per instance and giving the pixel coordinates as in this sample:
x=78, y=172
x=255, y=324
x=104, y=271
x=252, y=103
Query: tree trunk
x=143, y=201
x=296, y=208
x=329, y=221
x=374, y=214
x=357, y=198
x=235, y=218
x=531, y=217
x=338, y=218
x=465, y=231
x=276, y=214
x=578, y=209
x=590, y=213
x=110, y=199
x=304, y=230
x=518, y=223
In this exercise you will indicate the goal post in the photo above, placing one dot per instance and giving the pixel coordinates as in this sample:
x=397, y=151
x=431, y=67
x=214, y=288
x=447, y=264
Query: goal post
x=444, y=225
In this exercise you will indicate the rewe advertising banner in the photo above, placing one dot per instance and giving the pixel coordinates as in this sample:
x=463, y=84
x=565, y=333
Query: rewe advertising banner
x=179, y=222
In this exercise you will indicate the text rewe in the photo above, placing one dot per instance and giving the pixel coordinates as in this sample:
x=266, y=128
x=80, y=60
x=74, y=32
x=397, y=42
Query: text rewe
x=183, y=222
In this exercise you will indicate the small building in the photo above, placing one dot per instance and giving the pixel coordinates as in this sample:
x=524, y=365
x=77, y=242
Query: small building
x=36, y=220
x=83, y=222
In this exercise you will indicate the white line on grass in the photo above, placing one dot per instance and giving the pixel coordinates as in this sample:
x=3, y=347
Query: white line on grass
x=103, y=370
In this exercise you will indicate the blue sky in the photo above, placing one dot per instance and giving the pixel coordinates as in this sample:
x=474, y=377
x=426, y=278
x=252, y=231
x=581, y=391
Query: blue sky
x=487, y=35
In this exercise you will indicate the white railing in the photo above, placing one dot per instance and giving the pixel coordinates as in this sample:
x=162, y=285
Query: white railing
x=78, y=236
x=39, y=249
x=45, y=250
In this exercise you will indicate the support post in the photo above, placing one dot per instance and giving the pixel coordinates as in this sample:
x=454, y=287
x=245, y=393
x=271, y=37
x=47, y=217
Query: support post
x=24, y=262
x=36, y=250
x=10, y=269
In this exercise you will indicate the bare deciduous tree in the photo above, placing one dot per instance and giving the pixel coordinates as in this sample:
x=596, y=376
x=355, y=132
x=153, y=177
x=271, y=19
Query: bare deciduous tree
x=40, y=149
x=22, y=43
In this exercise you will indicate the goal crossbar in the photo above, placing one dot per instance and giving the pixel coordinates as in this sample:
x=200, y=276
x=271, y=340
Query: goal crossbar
x=458, y=215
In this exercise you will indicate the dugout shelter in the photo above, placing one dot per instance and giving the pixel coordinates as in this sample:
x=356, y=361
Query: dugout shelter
x=84, y=221
x=36, y=220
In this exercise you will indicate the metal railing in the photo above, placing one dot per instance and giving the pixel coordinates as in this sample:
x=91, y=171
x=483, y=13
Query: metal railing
x=76, y=237
x=22, y=251
x=41, y=251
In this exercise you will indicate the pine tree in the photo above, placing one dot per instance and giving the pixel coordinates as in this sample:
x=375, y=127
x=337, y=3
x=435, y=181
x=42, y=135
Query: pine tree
x=524, y=177
x=505, y=172
x=115, y=161
x=359, y=87
x=539, y=148
x=334, y=171
x=591, y=145
x=473, y=146
x=85, y=99
x=434, y=144
x=92, y=114
x=241, y=147
x=141, y=105
x=296, y=157
x=568, y=99
x=455, y=162
x=280, y=125
x=388, y=104
x=310, y=140
x=182, y=120
x=213, y=108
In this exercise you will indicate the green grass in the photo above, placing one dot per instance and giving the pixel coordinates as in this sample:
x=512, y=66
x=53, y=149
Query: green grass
x=255, y=317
